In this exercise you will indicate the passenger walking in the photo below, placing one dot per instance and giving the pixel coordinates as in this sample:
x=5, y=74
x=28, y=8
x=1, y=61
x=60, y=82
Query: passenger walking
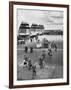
x=55, y=47
x=25, y=57
x=49, y=52
x=25, y=63
x=43, y=54
x=29, y=64
x=41, y=62
x=31, y=49
x=33, y=71
x=26, y=49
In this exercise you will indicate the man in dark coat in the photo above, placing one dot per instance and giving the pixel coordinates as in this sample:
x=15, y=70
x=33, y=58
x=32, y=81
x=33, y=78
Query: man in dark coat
x=26, y=49
x=33, y=71
x=29, y=64
x=43, y=55
x=31, y=49
x=41, y=62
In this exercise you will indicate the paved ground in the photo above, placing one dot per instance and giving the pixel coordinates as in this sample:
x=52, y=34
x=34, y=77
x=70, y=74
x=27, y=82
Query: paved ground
x=53, y=65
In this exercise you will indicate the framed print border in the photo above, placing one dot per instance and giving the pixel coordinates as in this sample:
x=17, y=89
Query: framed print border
x=11, y=38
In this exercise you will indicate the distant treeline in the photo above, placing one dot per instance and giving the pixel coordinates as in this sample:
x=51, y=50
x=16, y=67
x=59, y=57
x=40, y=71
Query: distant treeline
x=53, y=32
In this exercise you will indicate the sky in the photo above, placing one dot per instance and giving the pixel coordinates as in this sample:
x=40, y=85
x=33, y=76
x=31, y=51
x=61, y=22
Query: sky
x=51, y=19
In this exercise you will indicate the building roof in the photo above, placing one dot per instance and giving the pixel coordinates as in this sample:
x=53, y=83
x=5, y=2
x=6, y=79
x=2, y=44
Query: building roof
x=36, y=26
x=24, y=25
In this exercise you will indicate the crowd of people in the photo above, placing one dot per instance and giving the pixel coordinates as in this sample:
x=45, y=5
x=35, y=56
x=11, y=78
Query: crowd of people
x=27, y=62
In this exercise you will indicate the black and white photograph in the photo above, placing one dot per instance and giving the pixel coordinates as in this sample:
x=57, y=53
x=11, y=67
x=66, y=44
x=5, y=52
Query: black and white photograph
x=39, y=44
